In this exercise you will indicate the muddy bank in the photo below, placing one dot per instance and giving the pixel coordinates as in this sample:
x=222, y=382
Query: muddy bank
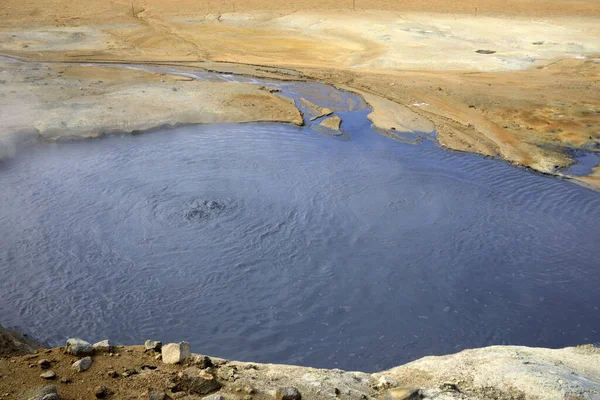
x=156, y=371
x=61, y=100
x=526, y=94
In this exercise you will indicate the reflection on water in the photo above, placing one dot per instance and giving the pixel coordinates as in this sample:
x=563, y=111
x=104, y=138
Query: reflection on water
x=270, y=242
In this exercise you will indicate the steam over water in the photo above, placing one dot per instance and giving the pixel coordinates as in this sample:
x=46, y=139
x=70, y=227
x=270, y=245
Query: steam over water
x=273, y=243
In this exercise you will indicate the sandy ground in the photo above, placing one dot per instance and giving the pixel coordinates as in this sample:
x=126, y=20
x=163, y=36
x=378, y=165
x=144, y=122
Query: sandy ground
x=535, y=96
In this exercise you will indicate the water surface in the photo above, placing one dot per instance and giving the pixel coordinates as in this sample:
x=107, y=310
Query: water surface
x=273, y=243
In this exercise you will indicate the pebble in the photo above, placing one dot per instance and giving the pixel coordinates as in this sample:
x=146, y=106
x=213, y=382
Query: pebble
x=152, y=345
x=102, y=392
x=194, y=380
x=48, y=375
x=113, y=374
x=384, y=382
x=215, y=396
x=66, y=380
x=47, y=392
x=44, y=364
x=402, y=394
x=288, y=393
x=82, y=365
x=102, y=346
x=129, y=372
x=155, y=395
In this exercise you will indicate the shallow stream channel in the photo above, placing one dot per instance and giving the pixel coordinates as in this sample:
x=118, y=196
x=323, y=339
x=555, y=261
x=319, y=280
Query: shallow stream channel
x=275, y=243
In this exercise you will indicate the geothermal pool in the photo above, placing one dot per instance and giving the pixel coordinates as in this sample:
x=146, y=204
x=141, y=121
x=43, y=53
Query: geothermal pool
x=275, y=243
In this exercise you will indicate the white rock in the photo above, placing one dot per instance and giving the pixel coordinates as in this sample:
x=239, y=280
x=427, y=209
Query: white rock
x=82, y=365
x=384, y=382
x=102, y=347
x=174, y=353
x=79, y=347
x=152, y=345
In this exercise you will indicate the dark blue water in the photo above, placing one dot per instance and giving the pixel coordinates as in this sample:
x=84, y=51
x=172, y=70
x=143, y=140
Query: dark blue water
x=273, y=243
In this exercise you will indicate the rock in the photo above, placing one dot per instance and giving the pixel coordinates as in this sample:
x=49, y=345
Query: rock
x=102, y=346
x=194, y=380
x=383, y=382
x=152, y=345
x=174, y=353
x=331, y=125
x=449, y=387
x=288, y=393
x=314, y=110
x=47, y=392
x=48, y=375
x=79, y=347
x=485, y=51
x=66, y=380
x=82, y=365
x=113, y=374
x=215, y=396
x=402, y=394
x=155, y=395
x=129, y=372
x=51, y=396
x=203, y=362
x=102, y=392
x=44, y=364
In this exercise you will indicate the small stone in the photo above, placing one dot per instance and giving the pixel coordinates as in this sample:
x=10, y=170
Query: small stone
x=129, y=372
x=155, y=395
x=402, y=394
x=82, y=365
x=47, y=392
x=102, y=346
x=66, y=380
x=79, y=347
x=102, y=392
x=215, y=396
x=152, y=345
x=384, y=382
x=174, y=353
x=193, y=380
x=48, y=375
x=203, y=362
x=158, y=357
x=288, y=393
x=51, y=396
x=113, y=374
x=44, y=364
x=249, y=389
x=449, y=387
